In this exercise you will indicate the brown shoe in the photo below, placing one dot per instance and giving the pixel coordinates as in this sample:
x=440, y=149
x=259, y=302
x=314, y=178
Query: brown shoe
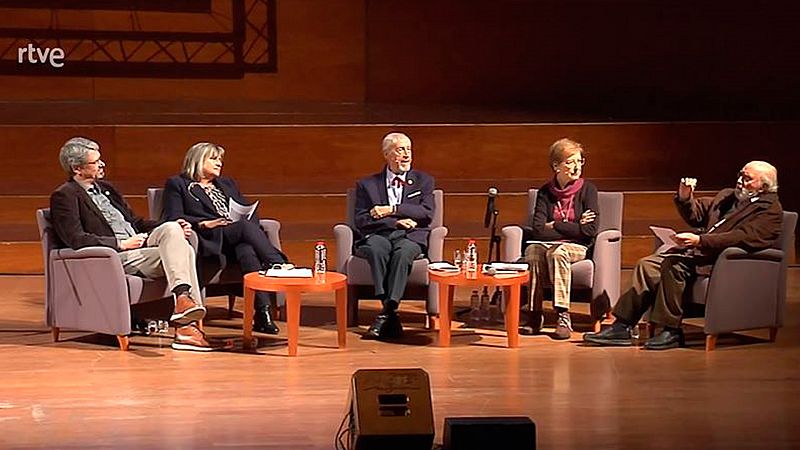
x=564, y=326
x=189, y=337
x=186, y=310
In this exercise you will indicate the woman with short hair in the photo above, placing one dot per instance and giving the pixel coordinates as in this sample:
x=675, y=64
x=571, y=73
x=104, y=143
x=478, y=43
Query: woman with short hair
x=200, y=195
x=564, y=226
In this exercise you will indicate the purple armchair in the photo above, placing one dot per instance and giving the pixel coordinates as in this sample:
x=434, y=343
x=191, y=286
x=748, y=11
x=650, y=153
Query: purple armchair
x=599, y=277
x=87, y=289
x=745, y=291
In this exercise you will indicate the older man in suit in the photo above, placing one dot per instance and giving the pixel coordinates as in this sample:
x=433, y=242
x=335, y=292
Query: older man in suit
x=748, y=216
x=87, y=211
x=394, y=210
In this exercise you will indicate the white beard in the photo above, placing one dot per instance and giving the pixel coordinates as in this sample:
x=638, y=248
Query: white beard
x=744, y=194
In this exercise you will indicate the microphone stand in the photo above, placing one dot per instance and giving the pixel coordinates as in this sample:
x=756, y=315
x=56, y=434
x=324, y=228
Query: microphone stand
x=494, y=239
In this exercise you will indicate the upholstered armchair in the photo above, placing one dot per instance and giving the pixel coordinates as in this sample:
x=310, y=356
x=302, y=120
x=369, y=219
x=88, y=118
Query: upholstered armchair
x=745, y=290
x=359, y=277
x=598, y=277
x=88, y=289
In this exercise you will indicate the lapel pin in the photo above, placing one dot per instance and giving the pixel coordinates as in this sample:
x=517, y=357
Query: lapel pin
x=410, y=182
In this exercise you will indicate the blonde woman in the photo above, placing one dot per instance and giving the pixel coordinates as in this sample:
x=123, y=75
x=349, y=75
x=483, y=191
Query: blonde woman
x=200, y=195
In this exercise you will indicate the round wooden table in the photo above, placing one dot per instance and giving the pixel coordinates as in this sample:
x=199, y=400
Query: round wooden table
x=447, y=286
x=293, y=287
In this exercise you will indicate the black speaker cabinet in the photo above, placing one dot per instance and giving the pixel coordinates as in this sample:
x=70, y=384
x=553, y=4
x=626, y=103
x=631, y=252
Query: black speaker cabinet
x=391, y=410
x=482, y=433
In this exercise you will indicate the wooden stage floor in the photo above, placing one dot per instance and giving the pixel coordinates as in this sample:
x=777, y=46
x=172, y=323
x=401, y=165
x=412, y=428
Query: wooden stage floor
x=84, y=393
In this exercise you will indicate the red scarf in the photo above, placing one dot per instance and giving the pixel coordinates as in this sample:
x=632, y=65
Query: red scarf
x=564, y=208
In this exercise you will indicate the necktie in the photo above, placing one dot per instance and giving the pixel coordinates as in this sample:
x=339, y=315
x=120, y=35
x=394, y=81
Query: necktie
x=398, y=182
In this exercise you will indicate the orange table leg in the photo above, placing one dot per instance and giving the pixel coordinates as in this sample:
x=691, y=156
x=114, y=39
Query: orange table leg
x=341, y=316
x=445, y=309
x=512, y=317
x=247, y=321
x=293, y=319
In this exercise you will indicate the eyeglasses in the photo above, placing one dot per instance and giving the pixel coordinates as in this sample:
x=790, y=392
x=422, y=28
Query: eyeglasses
x=97, y=161
x=744, y=176
x=401, y=150
x=574, y=162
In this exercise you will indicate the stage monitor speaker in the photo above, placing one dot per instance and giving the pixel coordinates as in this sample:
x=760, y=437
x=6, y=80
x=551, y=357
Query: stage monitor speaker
x=481, y=433
x=391, y=410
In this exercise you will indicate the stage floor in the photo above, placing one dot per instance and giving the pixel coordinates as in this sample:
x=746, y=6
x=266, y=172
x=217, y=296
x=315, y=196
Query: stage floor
x=85, y=393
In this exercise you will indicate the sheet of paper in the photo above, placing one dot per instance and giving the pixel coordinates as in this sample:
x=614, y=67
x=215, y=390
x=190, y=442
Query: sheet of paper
x=666, y=235
x=443, y=266
x=238, y=210
x=297, y=272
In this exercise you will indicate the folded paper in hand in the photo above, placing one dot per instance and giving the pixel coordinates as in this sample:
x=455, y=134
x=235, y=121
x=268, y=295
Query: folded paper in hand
x=297, y=272
x=237, y=210
x=443, y=266
x=667, y=237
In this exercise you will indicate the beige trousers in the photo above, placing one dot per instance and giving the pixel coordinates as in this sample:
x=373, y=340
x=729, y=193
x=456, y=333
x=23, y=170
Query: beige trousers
x=167, y=253
x=551, y=263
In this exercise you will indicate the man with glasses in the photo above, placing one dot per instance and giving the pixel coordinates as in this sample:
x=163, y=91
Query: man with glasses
x=394, y=210
x=748, y=216
x=87, y=211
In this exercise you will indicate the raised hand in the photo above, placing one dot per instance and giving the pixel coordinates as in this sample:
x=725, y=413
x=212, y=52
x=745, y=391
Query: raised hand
x=686, y=188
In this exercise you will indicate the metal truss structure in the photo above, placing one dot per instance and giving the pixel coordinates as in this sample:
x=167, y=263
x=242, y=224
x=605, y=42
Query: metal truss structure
x=243, y=40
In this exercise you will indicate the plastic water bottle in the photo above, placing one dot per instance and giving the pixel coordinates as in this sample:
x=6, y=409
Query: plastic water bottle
x=320, y=259
x=457, y=259
x=474, y=308
x=485, y=304
x=472, y=259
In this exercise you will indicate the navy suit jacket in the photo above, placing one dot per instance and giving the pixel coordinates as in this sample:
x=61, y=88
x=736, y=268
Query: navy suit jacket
x=417, y=204
x=195, y=206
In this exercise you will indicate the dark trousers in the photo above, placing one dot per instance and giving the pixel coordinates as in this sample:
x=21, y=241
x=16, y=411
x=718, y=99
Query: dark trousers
x=247, y=242
x=659, y=282
x=390, y=258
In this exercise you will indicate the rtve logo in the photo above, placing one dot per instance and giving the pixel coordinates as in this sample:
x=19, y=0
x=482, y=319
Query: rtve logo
x=53, y=56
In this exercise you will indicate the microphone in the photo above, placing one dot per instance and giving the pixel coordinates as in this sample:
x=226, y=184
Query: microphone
x=487, y=218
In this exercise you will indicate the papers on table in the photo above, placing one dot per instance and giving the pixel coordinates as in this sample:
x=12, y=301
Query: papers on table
x=666, y=235
x=500, y=268
x=297, y=272
x=239, y=211
x=444, y=266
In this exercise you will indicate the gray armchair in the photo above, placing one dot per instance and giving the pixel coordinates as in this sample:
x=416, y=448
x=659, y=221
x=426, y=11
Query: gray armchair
x=746, y=291
x=224, y=278
x=88, y=289
x=599, y=277
x=359, y=277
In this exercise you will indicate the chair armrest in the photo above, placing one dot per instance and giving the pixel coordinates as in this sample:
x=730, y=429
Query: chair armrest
x=607, y=258
x=86, y=252
x=273, y=230
x=512, y=243
x=344, y=245
x=436, y=244
x=734, y=253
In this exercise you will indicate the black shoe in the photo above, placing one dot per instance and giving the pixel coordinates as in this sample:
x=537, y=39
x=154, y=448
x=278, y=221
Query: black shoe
x=669, y=338
x=263, y=323
x=392, y=329
x=374, y=330
x=385, y=326
x=534, y=324
x=619, y=335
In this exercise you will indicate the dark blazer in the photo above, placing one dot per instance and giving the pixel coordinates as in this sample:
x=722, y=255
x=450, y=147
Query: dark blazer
x=195, y=206
x=417, y=204
x=585, y=199
x=79, y=223
x=756, y=226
